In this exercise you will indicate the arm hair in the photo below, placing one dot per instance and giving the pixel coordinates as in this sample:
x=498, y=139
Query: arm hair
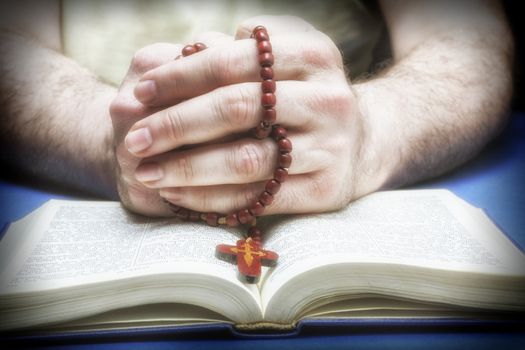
x=54, y=113
x=444, y=96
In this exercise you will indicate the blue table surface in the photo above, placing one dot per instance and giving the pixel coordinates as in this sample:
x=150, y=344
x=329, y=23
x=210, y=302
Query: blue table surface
x=494, y=180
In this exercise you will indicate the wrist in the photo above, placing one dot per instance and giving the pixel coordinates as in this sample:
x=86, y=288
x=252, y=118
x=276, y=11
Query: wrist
x=104, y=172
x=379, y=158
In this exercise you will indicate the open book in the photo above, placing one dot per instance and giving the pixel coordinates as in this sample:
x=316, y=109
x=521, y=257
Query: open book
x=85, y=265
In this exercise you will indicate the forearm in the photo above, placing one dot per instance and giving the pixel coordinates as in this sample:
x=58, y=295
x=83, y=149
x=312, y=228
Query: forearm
x=436, y=106
x=55, y=117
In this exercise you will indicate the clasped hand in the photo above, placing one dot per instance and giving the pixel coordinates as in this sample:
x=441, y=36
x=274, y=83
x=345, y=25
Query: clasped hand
x=182, y=127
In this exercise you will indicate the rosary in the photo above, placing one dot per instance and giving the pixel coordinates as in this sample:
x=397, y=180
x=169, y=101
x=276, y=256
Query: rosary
x=248, y=253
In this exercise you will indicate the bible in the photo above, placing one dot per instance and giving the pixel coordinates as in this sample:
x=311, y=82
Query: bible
x=91, y=265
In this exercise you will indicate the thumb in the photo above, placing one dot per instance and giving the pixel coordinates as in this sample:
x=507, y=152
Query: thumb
x=275, y=25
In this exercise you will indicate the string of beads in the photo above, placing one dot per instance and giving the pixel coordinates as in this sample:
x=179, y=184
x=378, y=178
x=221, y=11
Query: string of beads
x=265, y=128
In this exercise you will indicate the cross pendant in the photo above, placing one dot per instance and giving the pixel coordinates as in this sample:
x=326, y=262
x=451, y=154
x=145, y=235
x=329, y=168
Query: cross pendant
x=248, y=256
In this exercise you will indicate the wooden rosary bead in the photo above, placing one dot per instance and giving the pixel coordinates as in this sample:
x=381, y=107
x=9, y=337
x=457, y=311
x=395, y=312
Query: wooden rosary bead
x=273, y=186
x=280, y=174
x=264, y=46
x=174, y=208
x=183, y=214
x=244, y=216
x=266, y=59
x=284, y=160
x=232, y=220
x=256, y=209
x=284, y=145
x=266, y=73
x=262, y=131
x=257, y=240
x=200, y=46
x=255, y=233
x=278, y=132
x=212, y=219
x=268, y=100
x=268, y=86
x=269, y=115
x=261, y=35
x=188, y=50
x=266, y=198
x=258, y=28
x=194, y=216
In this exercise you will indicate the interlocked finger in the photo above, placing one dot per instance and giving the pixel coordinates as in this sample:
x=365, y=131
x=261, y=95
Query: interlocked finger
x=294, y=198
x=238, y=162
x=229, y=110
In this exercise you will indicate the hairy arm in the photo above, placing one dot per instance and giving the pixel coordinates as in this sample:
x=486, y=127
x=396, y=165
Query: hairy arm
x=445, y=94
x=54, y=113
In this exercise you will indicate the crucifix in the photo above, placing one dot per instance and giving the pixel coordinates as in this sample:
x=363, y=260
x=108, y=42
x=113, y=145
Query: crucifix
x=249, y=257
x=248, y=253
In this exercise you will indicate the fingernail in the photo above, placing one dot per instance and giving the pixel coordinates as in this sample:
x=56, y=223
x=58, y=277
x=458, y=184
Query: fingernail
x=138, y=140
x=145, y=91
x=149, y=172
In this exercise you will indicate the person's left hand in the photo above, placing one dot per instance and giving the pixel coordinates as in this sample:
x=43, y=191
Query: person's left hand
x=195, y=162
x=126, y=110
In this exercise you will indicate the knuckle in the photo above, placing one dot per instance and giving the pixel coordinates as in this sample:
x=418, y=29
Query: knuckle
x=333, y=171
x=235, y=108
x=218, y=70
x=246, y=160
x=122, y=158
x=184, y=168
x=223, y=68
x=173, y=126
x=327, y=189
x=145, y=58
x=336, y=147
x=123, y=108
x=340, y=101
x=319, y=188
x=336, y=102
x=118, y=106
x=321, y=52
x=204, y=202
x=244, y=197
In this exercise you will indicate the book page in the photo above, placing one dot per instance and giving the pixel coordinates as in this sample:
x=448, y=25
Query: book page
x=150, y=315
x=16, y=238
x=79, y=242
x=426, y=229
x=74, y=245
